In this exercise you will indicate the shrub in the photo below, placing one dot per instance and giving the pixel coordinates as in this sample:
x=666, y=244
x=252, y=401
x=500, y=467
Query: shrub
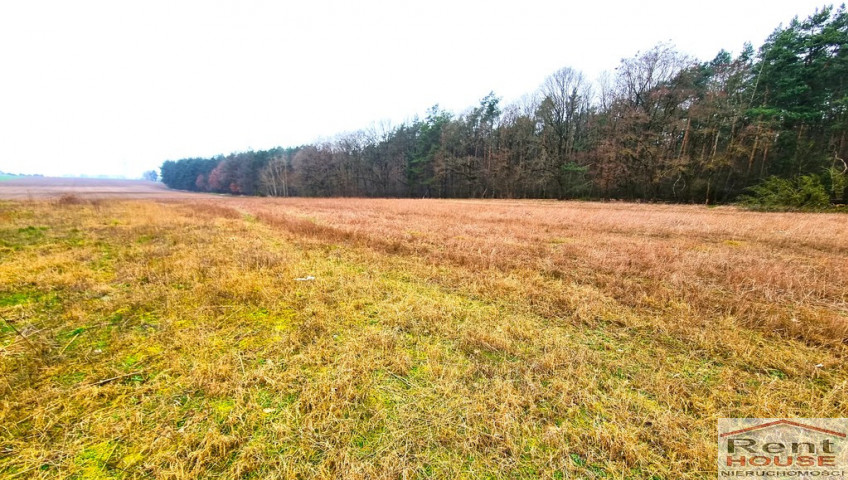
x=838, y=184
x=806, y=192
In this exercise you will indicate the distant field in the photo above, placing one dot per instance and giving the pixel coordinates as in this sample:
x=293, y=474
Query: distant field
x=23, y=188
x=192, y=336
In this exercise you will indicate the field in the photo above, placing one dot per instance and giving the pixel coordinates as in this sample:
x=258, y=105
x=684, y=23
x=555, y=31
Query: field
x=31, y=188
x=169, y=335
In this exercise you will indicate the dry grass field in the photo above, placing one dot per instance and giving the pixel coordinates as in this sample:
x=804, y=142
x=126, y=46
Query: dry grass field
x=171, y=337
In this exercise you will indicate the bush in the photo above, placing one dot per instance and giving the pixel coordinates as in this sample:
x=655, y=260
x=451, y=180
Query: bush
x=806, y=192
x=838, y=185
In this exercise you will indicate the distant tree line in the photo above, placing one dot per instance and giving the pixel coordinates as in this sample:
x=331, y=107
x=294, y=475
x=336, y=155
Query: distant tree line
x=661, y=127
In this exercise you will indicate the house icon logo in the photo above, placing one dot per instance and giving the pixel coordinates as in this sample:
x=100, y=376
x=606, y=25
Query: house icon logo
x=814, y=447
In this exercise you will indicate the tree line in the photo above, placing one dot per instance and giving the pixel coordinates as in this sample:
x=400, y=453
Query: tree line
x=662, y=126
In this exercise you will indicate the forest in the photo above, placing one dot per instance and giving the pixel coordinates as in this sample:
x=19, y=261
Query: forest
x=766, y=125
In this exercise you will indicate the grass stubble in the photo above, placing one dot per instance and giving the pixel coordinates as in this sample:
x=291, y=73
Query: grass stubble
x=439, y=339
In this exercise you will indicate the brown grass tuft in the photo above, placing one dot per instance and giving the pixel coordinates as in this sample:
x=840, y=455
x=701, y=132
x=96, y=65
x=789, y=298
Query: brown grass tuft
x=70, y=199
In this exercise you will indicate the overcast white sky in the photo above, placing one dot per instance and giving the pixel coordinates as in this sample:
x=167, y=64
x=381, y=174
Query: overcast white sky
x=116, y=87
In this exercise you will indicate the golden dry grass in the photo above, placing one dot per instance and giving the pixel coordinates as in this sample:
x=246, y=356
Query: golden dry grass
x=439, y=339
